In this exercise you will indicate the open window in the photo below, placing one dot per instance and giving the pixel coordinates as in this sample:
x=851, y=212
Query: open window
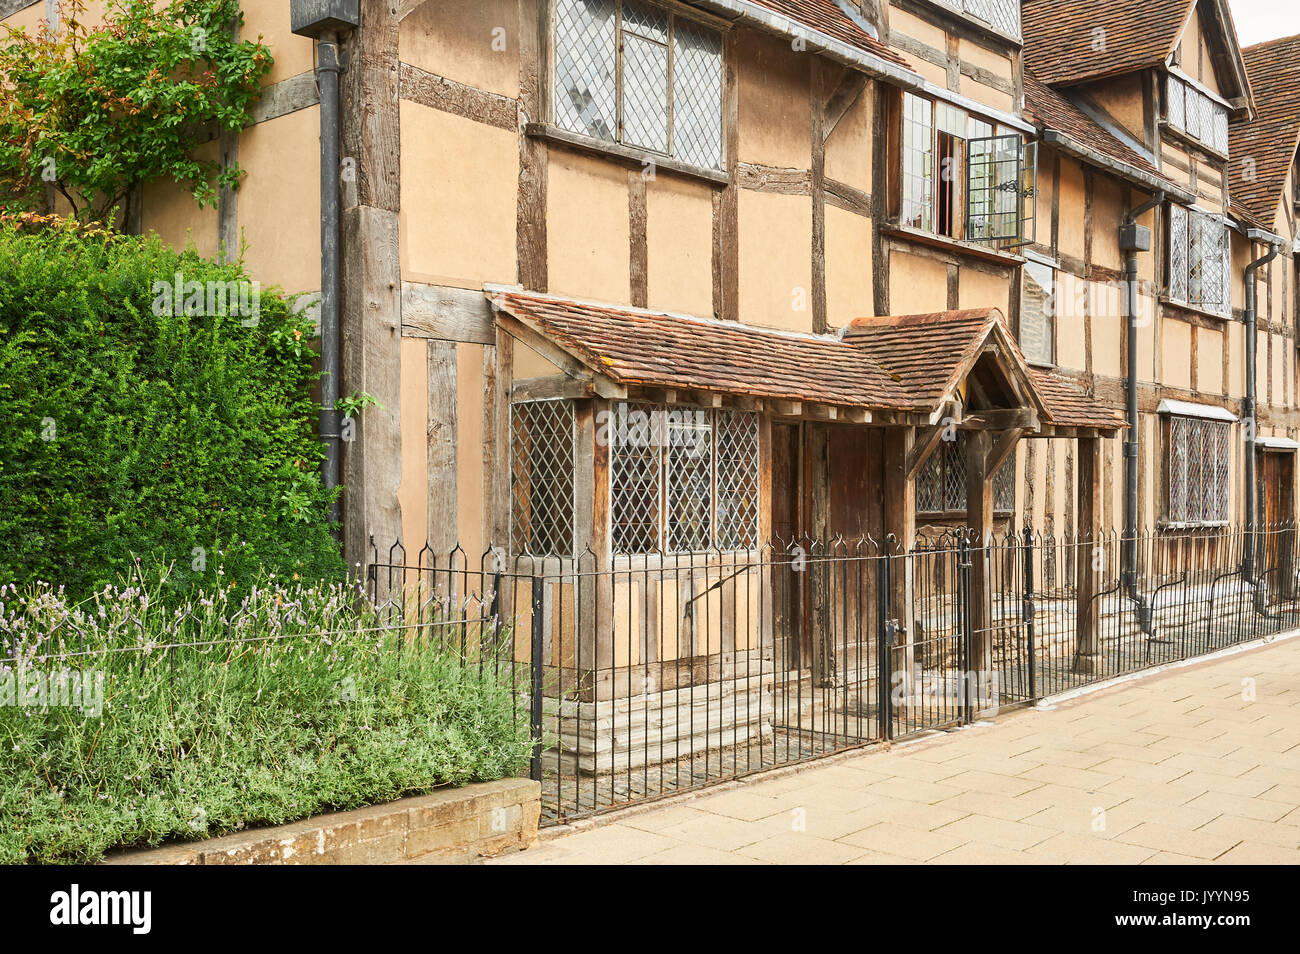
x=960, y=177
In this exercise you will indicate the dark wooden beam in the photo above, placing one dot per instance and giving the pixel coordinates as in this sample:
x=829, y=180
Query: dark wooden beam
x=1087, y=569
x=979, y=518
x=922, y=446
x=1002, y=448
x=841, y=100
x=1001, y=419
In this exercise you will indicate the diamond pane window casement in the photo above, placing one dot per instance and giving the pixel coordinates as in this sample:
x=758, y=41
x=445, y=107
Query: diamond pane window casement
x=542, y=472
x=1196, y=114
x=1200, y=272
x=641, y=75
x=941, y=482
x=1197, y=476
x=1002, y=15
x=683, y=479
x=1001, y=190
x=1038, y=313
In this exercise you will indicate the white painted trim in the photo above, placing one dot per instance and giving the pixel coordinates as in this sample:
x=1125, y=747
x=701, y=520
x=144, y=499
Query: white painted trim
x=1207, y=412
x=1277, y=443
x=1041, y=259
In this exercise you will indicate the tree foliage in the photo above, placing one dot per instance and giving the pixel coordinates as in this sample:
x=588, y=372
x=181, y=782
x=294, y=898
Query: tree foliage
x=95, y=109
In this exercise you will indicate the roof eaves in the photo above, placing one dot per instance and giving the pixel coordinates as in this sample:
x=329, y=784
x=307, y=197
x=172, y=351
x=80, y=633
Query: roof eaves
x=1124, y=170
x=845, y=53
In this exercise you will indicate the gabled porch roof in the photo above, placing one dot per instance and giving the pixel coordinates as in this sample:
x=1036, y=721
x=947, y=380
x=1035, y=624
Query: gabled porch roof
x=897, y=369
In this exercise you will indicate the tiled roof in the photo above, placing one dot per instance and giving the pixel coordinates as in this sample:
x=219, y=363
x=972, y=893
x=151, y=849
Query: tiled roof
x=1269, y=141
x=900, y=363
x=636, y=346
x=827, y=17
x=926, y=354
x=1069, y=405
x=1061, y=36
x=1050, y=110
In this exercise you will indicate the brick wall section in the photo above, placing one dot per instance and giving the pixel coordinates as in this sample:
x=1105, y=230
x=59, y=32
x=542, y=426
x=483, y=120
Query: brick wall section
x=451, y=826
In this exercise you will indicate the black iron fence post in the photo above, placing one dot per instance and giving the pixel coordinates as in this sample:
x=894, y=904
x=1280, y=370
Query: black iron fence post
x=1028, y=610
x=966, y=609
x=535, y=721
x=884, y=642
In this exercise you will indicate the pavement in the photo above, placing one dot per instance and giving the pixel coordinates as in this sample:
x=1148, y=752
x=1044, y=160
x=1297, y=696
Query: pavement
x=1198, y=764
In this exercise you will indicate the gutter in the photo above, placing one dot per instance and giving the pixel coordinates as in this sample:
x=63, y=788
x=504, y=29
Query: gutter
x=1068, y=144
x=849, y=55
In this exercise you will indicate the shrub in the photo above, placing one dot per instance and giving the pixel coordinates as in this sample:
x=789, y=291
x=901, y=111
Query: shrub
x=138, y=429
x=289, y=702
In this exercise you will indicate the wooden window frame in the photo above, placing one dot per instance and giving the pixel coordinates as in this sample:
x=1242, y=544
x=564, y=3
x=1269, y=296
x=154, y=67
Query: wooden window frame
x=553, y=129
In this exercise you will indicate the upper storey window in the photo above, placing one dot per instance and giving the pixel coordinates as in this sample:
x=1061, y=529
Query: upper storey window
x=1190, y=110
x=1003, y=15
x=639, y=75
x=1199, y=267
x=962, y=178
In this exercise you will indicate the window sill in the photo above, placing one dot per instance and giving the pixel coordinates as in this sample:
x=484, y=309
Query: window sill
x=960, y=246
x=1187, y=139
x=1168, y=302
x=1192, y=525
x=627, y=155
x=958, y=514
x=946, y=12
x=686, y=559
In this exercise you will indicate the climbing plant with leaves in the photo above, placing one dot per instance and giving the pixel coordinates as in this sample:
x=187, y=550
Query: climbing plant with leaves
x=95, y=109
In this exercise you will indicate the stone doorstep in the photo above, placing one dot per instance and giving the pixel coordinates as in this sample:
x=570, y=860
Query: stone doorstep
x=449, y=826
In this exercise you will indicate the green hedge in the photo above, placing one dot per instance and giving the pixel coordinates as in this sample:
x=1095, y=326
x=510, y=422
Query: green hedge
x=304, y=704
x=136, y=430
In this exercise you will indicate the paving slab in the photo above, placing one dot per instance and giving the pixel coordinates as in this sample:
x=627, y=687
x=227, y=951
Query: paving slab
x=1177, y=767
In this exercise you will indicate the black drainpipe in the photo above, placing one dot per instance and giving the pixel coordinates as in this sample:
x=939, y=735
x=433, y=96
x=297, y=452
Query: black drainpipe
x=1133, y=238
x=324, y=21
x=1248, y=401
x=327, y=78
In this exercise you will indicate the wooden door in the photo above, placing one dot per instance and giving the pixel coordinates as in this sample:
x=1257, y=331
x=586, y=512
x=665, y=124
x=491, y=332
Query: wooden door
x=1277, y=514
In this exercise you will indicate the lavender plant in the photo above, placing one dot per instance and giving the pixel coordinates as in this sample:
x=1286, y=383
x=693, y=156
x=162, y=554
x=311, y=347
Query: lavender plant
x=223, y=712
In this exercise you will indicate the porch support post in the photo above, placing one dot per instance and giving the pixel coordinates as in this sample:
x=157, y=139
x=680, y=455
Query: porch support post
x=594, y=648
x=1088, y=489
x=979, y=517
x=900, y=520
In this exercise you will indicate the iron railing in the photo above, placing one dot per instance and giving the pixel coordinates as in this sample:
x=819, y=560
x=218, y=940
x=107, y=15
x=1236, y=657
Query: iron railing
x=665, y=672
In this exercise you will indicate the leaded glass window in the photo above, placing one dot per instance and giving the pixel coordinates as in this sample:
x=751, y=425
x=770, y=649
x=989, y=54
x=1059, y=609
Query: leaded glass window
x=639, y=74
x=542, y=478
x=683, y=479
x=1198, y=471
x=1199, y=266
x=941, y=483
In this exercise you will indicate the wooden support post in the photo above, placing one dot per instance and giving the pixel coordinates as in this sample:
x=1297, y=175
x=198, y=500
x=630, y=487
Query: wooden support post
x=900, y=520
x=1087, y=573
x=596, y=653
x=817, y=480
x=979, y=517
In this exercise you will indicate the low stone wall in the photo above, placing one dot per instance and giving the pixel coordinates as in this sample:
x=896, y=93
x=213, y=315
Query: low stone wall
x=450, y=826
